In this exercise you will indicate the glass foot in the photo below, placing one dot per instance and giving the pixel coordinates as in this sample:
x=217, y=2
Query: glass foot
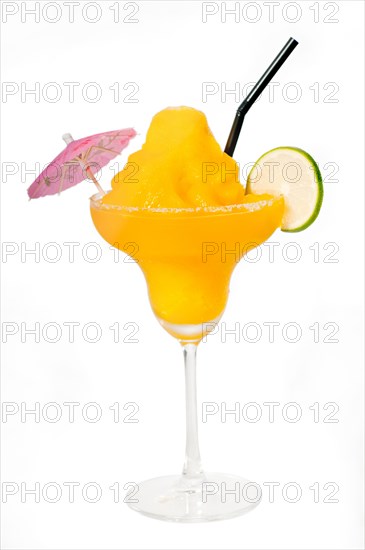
x=210, y=497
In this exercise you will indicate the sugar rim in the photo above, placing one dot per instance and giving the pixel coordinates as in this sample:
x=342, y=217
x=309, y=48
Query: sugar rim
x=96, y=203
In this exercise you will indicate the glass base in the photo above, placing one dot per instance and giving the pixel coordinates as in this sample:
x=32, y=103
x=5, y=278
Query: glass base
x=210, y=497
x=189, y=333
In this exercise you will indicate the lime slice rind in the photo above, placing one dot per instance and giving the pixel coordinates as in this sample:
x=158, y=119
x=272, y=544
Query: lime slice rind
x=303, y=196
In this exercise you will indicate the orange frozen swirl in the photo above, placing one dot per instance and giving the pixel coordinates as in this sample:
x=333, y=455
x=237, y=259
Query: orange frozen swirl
x=180, y=165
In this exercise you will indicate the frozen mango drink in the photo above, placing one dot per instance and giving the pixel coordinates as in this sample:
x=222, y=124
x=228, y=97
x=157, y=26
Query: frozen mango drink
x=179, y=209
x=180, y=202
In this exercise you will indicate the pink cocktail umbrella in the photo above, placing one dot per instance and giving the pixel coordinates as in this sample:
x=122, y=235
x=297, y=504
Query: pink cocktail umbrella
x=81, y=159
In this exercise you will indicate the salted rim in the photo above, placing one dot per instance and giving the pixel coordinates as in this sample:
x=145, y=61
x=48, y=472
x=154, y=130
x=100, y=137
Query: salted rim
x=95, y=201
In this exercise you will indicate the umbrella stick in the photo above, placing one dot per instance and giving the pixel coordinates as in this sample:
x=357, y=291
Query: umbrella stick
x=67, y=138
x=92, y=177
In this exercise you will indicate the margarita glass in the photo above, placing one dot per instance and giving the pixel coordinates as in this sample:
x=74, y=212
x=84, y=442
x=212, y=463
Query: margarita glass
x=187, y=256
x=187, y=237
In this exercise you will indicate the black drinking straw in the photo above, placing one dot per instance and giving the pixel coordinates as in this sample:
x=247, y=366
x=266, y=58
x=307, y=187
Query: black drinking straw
x=254, y=94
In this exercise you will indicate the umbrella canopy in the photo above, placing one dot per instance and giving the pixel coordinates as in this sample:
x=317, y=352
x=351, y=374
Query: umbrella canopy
x=80, y=159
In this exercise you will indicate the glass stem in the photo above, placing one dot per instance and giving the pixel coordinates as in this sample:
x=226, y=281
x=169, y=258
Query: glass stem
x=192, y=466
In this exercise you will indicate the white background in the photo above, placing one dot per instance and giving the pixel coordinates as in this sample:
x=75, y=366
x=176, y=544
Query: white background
x=169, y=53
